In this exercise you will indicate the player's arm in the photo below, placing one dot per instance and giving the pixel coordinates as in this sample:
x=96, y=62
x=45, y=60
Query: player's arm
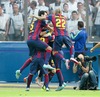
x=50, y=28
x=96, y=46
x=47, y=32
x=47, y=35
x=38, y=17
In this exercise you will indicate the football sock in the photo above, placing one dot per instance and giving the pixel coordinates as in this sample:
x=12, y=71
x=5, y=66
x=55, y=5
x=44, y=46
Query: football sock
x=72, y=51
x=27, y=62
x=48, y=55
x=46, y=80
x=51, y=76
x=30, y=76
x=60, y=77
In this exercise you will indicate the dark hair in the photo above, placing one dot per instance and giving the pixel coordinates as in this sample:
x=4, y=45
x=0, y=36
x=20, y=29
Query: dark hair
x=34, y=3
x=40, y=13
x=65, y=4
x=80, y=24
x=79, y=3
x=74, y=12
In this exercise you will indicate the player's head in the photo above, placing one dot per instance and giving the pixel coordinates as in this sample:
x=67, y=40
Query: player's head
x=42, y=13
x=58, y=11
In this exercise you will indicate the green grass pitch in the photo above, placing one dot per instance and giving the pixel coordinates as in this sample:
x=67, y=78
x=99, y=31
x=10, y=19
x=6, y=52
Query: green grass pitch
x=37, y=92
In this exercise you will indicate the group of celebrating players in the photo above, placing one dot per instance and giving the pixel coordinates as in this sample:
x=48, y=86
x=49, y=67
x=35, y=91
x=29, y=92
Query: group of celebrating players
x=45, y=47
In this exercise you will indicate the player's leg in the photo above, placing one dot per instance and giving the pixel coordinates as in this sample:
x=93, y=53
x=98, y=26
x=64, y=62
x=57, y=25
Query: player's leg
x=51, y=72
x=33, y=70
x=26, y=64
x=57, y=46
x=59, y=74
x=38, y=79
x=70, y=45
x=44, y=46
x=45, y=72
x=28, y=81
x=28, y=61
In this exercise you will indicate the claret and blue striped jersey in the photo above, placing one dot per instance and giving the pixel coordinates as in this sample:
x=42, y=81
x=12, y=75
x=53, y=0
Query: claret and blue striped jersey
x=59, y=23
x=36, y=28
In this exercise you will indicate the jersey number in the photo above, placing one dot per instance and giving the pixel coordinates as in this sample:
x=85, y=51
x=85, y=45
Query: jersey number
x=31, y=27
x=60, y=23
x=42, y=39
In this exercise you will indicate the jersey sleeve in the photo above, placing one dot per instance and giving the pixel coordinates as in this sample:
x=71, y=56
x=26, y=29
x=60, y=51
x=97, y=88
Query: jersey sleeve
x=43, y=24
x=49, y=17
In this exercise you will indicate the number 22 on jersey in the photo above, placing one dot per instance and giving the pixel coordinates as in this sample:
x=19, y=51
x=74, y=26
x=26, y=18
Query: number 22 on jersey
x=60, y=23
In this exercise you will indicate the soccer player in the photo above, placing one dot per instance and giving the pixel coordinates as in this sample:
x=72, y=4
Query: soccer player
x=61, y=37
x=28, y=61
x=37, y=64
x=26, y=64
x=48, y=38
x=35, y=43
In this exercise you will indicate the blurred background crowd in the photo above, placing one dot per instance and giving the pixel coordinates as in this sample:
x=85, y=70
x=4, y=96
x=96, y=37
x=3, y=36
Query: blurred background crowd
x=15, y=20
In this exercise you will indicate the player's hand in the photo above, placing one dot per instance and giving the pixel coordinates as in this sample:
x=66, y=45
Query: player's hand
x=91, y=50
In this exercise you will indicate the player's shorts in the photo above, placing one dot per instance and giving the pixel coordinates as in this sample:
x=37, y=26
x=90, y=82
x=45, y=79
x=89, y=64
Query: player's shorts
x=59, y=41
x=37, y=64
x=36, y=44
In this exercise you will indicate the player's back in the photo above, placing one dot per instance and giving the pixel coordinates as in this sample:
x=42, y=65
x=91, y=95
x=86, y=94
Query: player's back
x=36, y=28
x=59, y=23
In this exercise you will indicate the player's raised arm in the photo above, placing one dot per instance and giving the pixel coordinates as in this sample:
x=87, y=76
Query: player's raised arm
x=38, y=17
x=48, y=31
x=96, y=46
x=50, y=28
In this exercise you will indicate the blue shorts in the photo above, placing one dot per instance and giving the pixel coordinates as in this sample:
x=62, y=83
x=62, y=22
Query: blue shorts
x=37, y=64
x=59, y=41
x=34, y=45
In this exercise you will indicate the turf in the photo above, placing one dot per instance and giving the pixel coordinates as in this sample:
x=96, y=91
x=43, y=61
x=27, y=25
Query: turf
x=37, y=92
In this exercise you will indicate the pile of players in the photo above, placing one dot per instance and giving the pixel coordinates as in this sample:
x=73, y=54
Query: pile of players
x=45, y=41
